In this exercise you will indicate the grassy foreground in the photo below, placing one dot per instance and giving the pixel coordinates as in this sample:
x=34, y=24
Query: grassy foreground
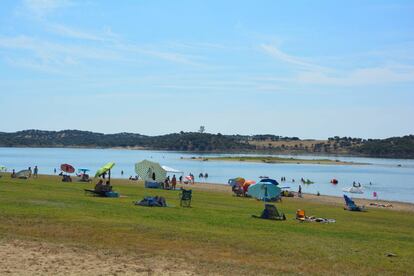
x=216, y=235
x=278, y=160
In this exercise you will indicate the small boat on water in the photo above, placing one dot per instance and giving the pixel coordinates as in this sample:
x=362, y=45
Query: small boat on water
x=354, y=190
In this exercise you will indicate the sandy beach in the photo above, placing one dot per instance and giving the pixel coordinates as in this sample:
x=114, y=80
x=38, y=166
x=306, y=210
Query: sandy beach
x=322, y=199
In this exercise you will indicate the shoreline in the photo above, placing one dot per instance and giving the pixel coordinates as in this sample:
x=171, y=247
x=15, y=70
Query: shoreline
x=322, y=199
x=225, y=188
x=222, y=187
x=294, y=153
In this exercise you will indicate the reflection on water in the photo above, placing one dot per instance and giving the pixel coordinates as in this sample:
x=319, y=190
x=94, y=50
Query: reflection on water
x=388, y=179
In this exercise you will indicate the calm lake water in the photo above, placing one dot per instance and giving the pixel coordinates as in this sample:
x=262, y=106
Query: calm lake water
x=390, y=181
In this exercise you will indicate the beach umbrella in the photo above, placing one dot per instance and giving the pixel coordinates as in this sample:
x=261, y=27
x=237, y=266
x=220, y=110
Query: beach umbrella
x=269, y=180
x=23, y=173
x=83, y=170
x=247, y=183
x=67, y=168
x=105, y=169
x=3, y=168
x=146, y=169
x=264, y=191
x=239, y=181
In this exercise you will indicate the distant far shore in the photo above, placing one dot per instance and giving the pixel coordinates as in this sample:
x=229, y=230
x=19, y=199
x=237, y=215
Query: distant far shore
x=201, y=142
x=276, y=160
x=262, y=153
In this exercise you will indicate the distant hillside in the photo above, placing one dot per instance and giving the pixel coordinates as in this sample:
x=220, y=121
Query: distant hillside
x=395, y=147
x=183, y=141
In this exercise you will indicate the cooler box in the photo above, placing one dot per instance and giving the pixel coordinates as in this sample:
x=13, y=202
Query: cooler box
x=112, y=194
x=152, y=184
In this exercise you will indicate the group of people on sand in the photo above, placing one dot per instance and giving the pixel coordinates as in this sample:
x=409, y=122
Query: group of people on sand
x=201, y=175
x=171, y=182
x=101, y=187
x=354, y=184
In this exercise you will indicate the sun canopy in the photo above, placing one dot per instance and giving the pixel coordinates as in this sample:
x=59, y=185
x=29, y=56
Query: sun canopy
x=83, y=170
x=104, y=169
x=147, y=169
x=170, y=170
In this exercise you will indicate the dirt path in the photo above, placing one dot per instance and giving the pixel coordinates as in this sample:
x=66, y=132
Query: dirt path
x=40, y=258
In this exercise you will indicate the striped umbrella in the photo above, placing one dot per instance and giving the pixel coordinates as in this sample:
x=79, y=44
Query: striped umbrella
x=146, y=169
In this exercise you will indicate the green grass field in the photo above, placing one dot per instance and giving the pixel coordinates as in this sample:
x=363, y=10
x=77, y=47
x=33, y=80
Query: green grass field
x=216, y=235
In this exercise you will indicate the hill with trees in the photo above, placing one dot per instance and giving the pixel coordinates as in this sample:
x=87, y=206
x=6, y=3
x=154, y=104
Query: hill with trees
x=395, y=147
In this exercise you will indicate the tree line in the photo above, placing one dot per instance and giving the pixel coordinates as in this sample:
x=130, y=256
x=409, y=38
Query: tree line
x=397, y=147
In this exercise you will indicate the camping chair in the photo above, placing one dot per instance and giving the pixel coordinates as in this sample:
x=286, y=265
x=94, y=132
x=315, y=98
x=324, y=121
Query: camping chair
x=300, y=215
x=271, y=212
x=238, y=191
x=85, y=178
x=351, y=206
x=185, y=198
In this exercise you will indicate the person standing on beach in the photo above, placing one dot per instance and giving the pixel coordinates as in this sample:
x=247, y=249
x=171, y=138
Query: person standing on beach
x=300, y=191
x=54, y=171
x=35, y=171
x=181, y=179
x=173, y=182
x=30, y=171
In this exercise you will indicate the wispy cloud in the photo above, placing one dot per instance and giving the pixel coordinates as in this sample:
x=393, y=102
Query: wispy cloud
x=361, y=76
x=301, y=63
x=41, y=8
x=60, y=54
x=310, y=73
x=52, y=55
x=81, y=45
x=66, y=31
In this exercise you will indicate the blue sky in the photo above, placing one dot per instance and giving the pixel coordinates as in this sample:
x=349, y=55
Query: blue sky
x=312, y=69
